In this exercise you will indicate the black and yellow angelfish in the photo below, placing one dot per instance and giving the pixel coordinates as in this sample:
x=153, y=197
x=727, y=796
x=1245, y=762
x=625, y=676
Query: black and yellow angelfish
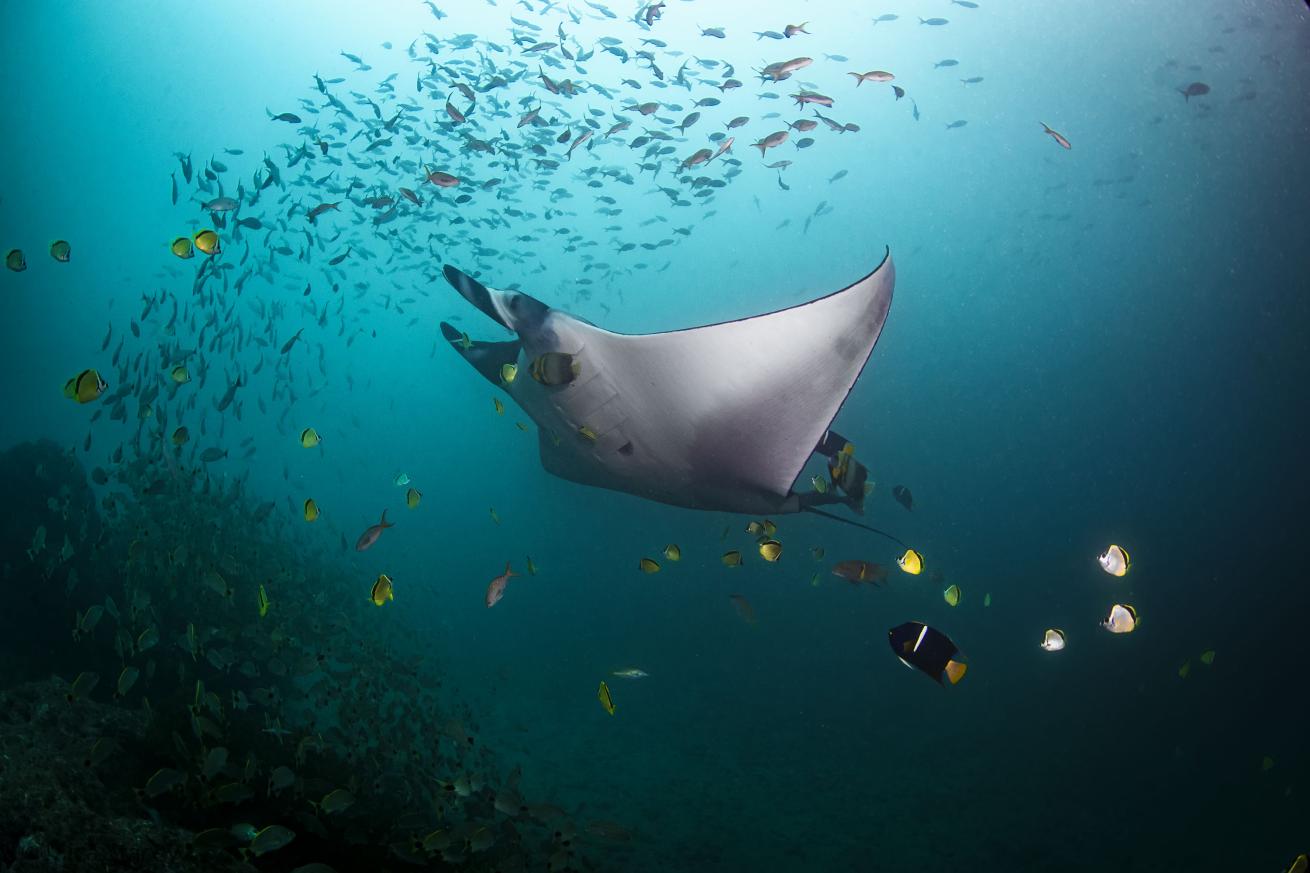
x=849, y=475
x=928, y=650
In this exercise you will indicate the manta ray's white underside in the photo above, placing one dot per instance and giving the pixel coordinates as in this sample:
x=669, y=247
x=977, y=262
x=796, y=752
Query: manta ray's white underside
x=718, y=417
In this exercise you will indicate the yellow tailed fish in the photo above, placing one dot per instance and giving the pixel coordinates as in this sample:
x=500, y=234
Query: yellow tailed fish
x=85, y=386
x=603, y=693
x=1114, y=560
x=83, y=685
x=126, y=680
x=270, y=839
x=164, y=780
x=1122, y=619
x=207, y=242
x=336, y=801
x=382, y=590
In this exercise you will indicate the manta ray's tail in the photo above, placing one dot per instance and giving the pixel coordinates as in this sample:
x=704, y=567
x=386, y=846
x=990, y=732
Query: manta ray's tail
x=882, y=533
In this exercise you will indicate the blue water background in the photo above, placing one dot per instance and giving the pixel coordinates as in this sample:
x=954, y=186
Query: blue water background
x=1069, y=362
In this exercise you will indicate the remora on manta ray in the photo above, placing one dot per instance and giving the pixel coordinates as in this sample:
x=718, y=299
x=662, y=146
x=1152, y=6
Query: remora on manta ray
x=721, y=417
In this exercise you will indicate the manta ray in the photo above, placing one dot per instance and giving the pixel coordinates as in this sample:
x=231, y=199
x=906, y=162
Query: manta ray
x=719, y=417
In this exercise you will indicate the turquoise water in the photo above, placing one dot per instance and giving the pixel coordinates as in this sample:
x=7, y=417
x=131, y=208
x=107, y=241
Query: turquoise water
x=1104, y=344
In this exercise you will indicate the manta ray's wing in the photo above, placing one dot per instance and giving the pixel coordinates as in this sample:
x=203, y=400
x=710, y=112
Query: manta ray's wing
x=729, y=413
x=486, y=357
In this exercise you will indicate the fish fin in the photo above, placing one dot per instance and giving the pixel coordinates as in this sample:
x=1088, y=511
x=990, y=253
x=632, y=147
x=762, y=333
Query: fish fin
x=831, y=444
